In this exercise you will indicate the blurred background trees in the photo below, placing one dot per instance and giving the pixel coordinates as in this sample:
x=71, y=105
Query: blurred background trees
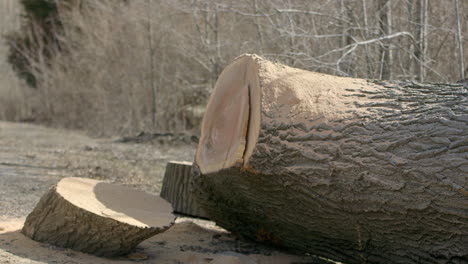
x=120, y=67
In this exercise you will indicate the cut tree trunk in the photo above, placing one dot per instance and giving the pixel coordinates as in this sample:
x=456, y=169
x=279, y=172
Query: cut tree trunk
x=97, y=217
x=349, y=169
x=177, y=189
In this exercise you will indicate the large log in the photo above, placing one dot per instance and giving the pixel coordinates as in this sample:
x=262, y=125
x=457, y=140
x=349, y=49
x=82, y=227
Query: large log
x=97, y=217
x=350, y=169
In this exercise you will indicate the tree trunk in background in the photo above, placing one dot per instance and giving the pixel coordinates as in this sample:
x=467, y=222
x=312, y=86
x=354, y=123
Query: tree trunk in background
x=346, y=14
x=459, y=40
x=421, y=38
x=258, y=26
x=365, y=35
x=151, y=63
x=343, y=168
x=385, y=16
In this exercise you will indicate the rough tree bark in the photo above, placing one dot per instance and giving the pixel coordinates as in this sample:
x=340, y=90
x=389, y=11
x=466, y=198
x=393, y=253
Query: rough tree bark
x=349, y=169
x=97, y=217
x=177, y=189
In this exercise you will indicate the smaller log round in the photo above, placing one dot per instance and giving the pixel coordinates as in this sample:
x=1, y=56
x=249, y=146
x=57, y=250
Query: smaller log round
x=96, y=217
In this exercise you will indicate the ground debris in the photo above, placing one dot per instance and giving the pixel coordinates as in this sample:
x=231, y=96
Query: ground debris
x=162, y=138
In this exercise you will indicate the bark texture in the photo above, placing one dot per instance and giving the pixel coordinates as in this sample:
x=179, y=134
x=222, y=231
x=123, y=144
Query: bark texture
x=353, y=170
x=177, y=189
x=59, y=220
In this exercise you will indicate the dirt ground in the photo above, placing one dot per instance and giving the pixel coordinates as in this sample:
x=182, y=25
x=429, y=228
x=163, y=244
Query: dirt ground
x=33, y=158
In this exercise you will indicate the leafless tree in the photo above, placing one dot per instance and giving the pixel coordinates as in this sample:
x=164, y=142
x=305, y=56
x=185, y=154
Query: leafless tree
x=421, y=33
x=385, y=17
x=151, y=65
x=459, y=35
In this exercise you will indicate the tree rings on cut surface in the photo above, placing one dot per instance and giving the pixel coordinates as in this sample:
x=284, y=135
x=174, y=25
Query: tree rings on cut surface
x=97, y=217
x=232, y=119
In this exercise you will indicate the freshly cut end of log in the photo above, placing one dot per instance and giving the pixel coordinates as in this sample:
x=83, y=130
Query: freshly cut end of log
x=177, y=189
x=97, y=217
x=232, y=120
x=251, y=92
x=116, y=202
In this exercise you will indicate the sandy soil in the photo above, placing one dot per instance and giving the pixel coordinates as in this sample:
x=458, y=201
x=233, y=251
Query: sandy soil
x=33, y=158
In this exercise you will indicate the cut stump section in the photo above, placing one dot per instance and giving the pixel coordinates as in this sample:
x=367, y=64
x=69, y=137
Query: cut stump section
x=97, y=217
x=177, y=189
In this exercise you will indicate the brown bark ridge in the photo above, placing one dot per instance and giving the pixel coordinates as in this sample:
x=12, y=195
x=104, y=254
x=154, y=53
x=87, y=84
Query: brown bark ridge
x=177, y=189
x=353, y=170
x=97, y=217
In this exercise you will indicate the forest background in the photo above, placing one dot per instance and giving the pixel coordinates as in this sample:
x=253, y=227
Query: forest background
x=120, y=67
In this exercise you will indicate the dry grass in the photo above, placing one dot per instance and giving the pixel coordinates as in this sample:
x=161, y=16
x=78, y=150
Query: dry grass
x=109, y=81
x=12, y=97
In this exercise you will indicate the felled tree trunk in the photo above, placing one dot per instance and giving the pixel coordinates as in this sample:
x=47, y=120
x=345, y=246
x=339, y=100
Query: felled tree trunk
x=177, y=189
x=349, y=169
x=97, y=217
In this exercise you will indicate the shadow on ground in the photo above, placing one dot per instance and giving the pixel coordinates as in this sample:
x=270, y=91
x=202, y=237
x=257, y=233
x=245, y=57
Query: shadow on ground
x=185, y=242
